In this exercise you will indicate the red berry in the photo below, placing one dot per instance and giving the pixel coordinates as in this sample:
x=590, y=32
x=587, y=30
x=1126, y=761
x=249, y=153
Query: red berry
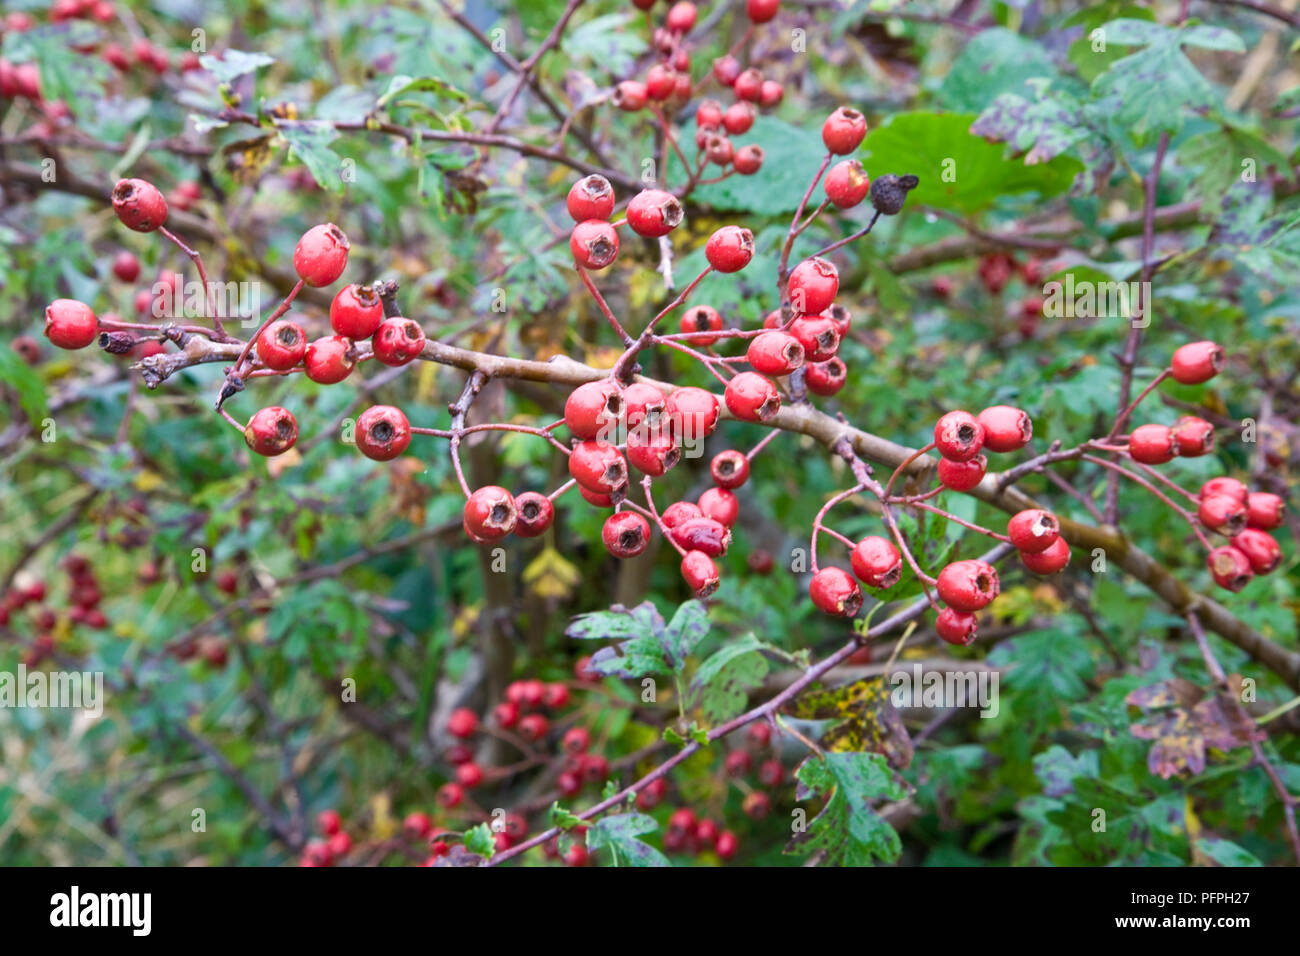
x=321, y=255
x=398, y=341
x=844, y=130
x=730, y=249
x=282, y=345
x=825, y=378
x=681, y=17
x=1193, y=436
x=968, y=585
x=469, y=775
x=450, y=795
x=1230, y=568
x=535, y=514
x=771, y=773
x=719, y=150
x=490, y=513
x=761, y=11
x=876, y=562
x=644, y=405
x=228, y=582
x=576, y=740
x=729, y=469
x=748, y=159
x=356, y=311
x=720, y=505
x=591, y=197
x=771, y=94
x=595, y=768
x=708, y=113
x=1152, y=444
x=1222, y=513
x=126, y=266
x=738, y=119
x=725, y=70
x=1197, y=362
x=70, y=324
x=680, y=511
x=654, y=213
x=599, y=467
x=595, y=498
x=340, y=845
x=958, y=436
x=625, y=534
x=271, y=431
x=834, y=591
x=330, y=359
x=756, y=805
x=27, y=349
x=752, y=398
x=748, y=86
x=462, y=723
x=533, y=727
x=700, y=573
x=702, y=319
x=962, y=475
x=660, y=81
x=417, y=825
x=630, y=96
x=847, y=184
x=1263, y=510
x=139, y=205
x=652, y=450
x=1260, y=549
x=1033, y=530
x=957, y=627
x=1048, y=561
x=692, y=413
x=593, y=409
x=1005, y=428
x=382, y=432
x=1225, y=486
x=775, y=353
x=594, y=244
x=818, y=336
x=703, y=534
x=812, y=286
x=328, y=822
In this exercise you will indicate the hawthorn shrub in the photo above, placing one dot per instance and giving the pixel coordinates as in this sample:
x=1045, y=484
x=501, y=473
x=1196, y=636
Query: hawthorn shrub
x=737, y=433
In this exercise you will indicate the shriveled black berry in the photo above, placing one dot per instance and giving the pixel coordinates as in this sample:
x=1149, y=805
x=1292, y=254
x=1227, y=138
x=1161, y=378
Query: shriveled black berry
x=889, y=192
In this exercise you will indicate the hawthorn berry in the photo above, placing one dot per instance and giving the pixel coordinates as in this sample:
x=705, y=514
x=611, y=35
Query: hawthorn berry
x=595, y=768
x=957, y=627
x=330, y=359
x=826, y=378
x=771, y=94
x=818, y=335
x=876, y=562
x=382, y=432
x=834, y=591
x=625, y=534
x=709, y=113
x=533, y=727
x=70, y=324
x=844, y=131
x=321, y=255
x=847, y=184
x=812, y=286
x=1196, y=362
x=719, y=150
x=1263, y=510
x=576, y=855
x=729, y=469
x=462, y=723
x=720, y=505
x=555, y=695
x=652, y=450
x=506, y=714
x=726, y=69
x=594, y=244
x=962, y=475
x=730, y=248
x=594, y=408
x=356, y=311
x=490, y=513
x=1153, y=444
x=282, y=345
x=139, y=205
x=681, y=17
x=398, y=341
x=27, y=349
x=1193, y=436
x=630, y=96
x=702, y=319
x=417, y=825
x=1230, y=568
x=126, y=266
x=775, y=353
x=1048, y=561
x=660, y=81
x=591, y=197
x=771, y=773
x=599, y=467
x=469, y=775
x=535, y=514
x=340, y=845
x=748, y=159
x=700, y=573
x=1222, y=513
x=756, y=805
x=271, y=431
x=654, y=213
x=1260, y=549
x=958, y=436
x=576, y=740
x=748, y=87
x=329, y=822
x=968, y=585
x=680, y=511
x=705, y=534
x=889, y=193
x=1033, y=530
x=1005, y=428
x=595, y=498
x=738, y=118
x=692, y=413
x=752, y=398
x=645, y=405
x=761, y=11
x=1225, y=486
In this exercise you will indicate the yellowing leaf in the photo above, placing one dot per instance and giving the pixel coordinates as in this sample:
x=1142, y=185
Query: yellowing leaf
x=549, y=576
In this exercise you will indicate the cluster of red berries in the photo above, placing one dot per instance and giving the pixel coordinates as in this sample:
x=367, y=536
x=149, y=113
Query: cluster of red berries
x=995, y=271
x=1245, y=518
x=84, y=597
x=1191, y=437
x=334, y=845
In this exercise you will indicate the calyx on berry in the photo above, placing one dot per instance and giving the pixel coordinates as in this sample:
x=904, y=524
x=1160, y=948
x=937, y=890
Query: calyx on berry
x=818, y=335
x=654, y=213
x=536, y=512
x=330, y=359
x=775, y=353
x=600, y=468
x=591, y=197
x=321, y=255
x=729, y=469
x=356, y=311
x=1033, y=530
x=1230, y=568
x=968, y=585
x=692, y=413
x=282, y=345
x=490, y=514
x=730, y=249
x=271, y=431
x=382, y=432
x=834, y=591
x=1196, y=362
x=1005, y=428
x=958, y=436
x=1153, y=444
x=139, y=205
x=876, y=562
x=625, y=534
x=593, y=407
x=1223, y=513
x=1193, y=436
x=844, y=131
x=702, y=319
x=1260, y=548
x=398, y=341
x=700, y=573
x=752, y=398
x=847, y=184
x=594, y=244
x=826, y=378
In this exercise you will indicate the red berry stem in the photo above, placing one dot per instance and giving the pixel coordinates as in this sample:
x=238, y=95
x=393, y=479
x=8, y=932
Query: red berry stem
x=604, y=307
x=903, y=466
x=817, y=523
x=280, y=310
x=197, y=259
x=762, y=443
x=1124, y=472
x=960, y=521
x=1123, y=415
x=1168, y=482
x=653, y=512
x=783, y=272
x=848, y=239
x=562, y=489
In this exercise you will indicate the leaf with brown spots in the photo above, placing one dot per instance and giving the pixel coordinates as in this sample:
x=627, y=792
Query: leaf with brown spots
x=864, y=720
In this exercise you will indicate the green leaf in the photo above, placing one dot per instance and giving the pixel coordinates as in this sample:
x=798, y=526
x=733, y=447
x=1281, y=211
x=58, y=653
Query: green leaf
x=618, y=834
x=563, y=819
x=720, y=688
x=233, y=64
x=480, y=841
x=309, y=140
x=1226, y=853
x=958, y=170
x=399, y=85
x=790, y=157
x=995, y=61
x=22, y=378
x=848, y=831
x=687, y=628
